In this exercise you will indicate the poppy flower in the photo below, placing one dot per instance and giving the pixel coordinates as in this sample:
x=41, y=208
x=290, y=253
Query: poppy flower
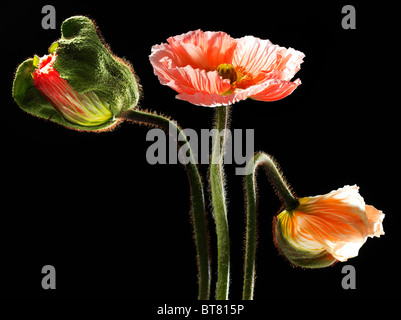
x=80, y=84
x=326, y=228
x=213, y=69
x=82, y=109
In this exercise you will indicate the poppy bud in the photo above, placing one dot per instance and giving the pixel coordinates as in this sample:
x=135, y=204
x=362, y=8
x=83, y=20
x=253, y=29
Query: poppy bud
x=80, y=84
x=326, y=228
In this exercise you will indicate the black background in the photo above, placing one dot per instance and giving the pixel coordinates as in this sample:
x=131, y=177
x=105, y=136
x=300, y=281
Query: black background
x=116, y=227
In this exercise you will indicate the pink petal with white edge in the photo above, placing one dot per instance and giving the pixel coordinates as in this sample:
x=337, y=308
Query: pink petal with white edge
x=212, y=100
x=191, y=81
x=273, y=90
x=162, y=58
x=204, y=50
x=184, y=79
x=188, y=63
x=375, y=221
x=257, y=55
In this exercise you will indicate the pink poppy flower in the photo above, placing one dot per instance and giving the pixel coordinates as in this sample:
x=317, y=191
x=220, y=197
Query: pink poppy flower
x=326, y=228
x=213, y=69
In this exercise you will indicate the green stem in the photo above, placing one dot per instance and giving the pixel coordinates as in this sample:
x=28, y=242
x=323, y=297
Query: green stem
x=286, y=196
x=196, y=190
x=219, y=202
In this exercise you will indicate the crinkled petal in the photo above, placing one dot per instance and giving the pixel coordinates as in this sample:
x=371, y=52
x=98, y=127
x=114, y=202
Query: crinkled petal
x=204, y=50
x=375, y=221
x=188, y=63
x=256, y=55
x=188, y=54
x=212, y=100
x=337, y=223
x=345, y=250
x=270, y=90
x=162, y=59
x=337, y=220
x=273, y=90
x=185, y=79
x=347, y=195
x=191, y=81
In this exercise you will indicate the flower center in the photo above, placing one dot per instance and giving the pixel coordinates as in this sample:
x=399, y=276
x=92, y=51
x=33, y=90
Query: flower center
x=227, y=71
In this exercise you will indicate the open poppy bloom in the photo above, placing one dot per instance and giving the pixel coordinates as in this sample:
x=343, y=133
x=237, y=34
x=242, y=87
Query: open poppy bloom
x=326, y=228
x=213, y=69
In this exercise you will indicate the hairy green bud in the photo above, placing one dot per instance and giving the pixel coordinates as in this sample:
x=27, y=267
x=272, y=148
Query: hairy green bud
x=80, y=84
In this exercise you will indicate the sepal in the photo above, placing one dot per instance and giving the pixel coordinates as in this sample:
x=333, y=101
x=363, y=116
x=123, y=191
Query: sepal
x=89, y=68
x=297, y=256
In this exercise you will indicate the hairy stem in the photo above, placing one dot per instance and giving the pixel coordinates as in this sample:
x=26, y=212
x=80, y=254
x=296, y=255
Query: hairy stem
x=286, y=196
x=198, y=213
x=218, y=196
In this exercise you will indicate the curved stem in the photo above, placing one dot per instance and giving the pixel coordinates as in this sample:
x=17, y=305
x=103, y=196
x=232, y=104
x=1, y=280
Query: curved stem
x=286, y=196
x=219, y=202
x=196, y=190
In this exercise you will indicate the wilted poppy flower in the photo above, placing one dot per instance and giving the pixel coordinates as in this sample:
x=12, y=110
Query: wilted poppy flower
x=326, y=228
x=213, y=69
x=80, y=84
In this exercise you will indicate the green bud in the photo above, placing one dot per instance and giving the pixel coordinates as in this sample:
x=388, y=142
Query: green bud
x=96, y=85
x=296, y=255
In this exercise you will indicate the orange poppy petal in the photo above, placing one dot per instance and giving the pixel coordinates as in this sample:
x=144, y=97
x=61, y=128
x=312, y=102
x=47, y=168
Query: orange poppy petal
x=188, y=54
x=375, y=221
x=272, y=90
x=212, y=100
x=204, y=50
x=162, y=58
x=338, y=223
x=339, y=236
x=187, y=79
x=337, y=220
x=256, y=55
x=188, y=64
x=192, y=81
x=306, y=254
